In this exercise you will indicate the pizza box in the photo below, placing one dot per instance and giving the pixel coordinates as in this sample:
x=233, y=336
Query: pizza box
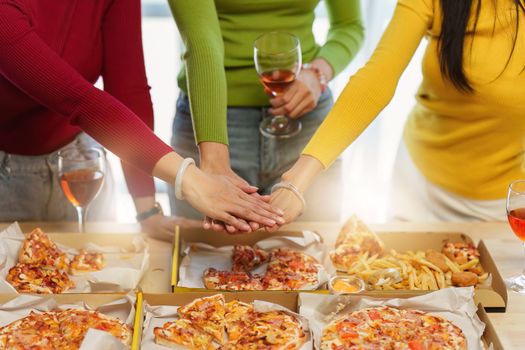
x=490, y=338
x=494, y=299
x=290, y=300
x=218, y=239
x=124, y=241
x=93, y=300
x=287, y=299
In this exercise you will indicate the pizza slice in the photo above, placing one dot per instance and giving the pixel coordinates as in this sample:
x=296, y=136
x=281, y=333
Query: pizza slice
x=272, y=330
x=247, y=258
x=230, y=280
x=291, y=270
x=74, y=324
x=207, y=314
x=182, y=332
x=237, y=317
x=35, y=331
x=38, y=249
x=35, y=279
x=86, y=261
x=354, y=239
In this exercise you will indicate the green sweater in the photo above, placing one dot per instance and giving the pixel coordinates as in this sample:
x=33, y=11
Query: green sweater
x=219, y=35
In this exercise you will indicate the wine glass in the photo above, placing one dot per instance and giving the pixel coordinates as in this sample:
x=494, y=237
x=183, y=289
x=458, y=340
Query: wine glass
x=516, y=217
x=81, y=174
x=277, y=57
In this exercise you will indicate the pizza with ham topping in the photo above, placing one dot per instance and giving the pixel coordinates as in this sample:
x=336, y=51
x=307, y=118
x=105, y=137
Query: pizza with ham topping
x=63, y=330
x=39, y=249
x=392, y=329
x=85, y=262
x=230, y=280
x=35, y=279
x=246, y=258
x=287, y=269
x=243, y=327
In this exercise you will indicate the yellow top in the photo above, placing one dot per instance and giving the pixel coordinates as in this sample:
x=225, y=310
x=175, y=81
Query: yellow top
x=469, y=144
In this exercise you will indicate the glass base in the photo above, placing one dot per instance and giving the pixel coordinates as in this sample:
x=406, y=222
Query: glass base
x=280, y=127
x=516, y=283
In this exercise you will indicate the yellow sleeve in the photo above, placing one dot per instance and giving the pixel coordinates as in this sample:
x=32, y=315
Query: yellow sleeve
x=373, y=86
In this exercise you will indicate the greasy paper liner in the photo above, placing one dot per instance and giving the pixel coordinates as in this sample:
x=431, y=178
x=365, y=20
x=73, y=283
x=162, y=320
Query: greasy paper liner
x=157, y=316
x=122, y=272
x=200, y=256
x=123, y=309
x=454, y=304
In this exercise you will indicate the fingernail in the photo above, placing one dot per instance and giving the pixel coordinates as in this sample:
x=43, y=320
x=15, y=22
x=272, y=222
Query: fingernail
x=270, y=222
x=281, y=220
x=245, y=227
x=280, y=212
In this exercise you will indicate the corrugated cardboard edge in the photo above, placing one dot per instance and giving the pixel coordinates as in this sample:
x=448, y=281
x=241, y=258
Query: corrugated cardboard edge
x=137, y=323
x=175, y=259
x=498, y=285
x=489, y=336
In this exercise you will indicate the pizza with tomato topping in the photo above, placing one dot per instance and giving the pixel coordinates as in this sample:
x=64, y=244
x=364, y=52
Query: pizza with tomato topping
x=246, y=258
x=242, y=326
x=63, y=330
x=85, y=262
x=392, y=329
x=230, y=280
x=27, y=278
x=291, y=270
x=287, y=270
x=74, y=324
x=207, y=314
x=39, y=249
x=35, y=331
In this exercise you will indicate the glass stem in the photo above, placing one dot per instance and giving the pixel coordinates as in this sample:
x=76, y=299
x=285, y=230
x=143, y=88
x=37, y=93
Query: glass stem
x=81, y=213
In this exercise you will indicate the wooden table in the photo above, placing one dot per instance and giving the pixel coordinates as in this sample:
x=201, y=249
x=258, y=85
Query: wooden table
x=504, y=247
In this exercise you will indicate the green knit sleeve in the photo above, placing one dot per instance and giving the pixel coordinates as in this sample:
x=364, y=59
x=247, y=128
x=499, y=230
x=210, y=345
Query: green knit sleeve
x=204, y=60
x=345, y=35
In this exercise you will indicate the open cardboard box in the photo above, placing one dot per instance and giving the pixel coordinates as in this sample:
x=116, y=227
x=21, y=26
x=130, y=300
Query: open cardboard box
x=80, y=240
x=494, y=299
x=94, y=300
x=289, y=300
x=216, y=239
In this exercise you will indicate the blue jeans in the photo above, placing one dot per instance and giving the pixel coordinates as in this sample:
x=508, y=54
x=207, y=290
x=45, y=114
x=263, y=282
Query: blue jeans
x=260, y=160
x=30, y=188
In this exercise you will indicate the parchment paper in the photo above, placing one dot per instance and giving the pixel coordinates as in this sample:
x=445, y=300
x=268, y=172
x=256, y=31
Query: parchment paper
x=454, y=304
x=157, y=316
x=123, y=309
x=199, y=257
x=122, y=272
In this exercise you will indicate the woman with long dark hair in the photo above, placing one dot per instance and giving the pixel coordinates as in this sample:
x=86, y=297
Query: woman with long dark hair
x=465, y=137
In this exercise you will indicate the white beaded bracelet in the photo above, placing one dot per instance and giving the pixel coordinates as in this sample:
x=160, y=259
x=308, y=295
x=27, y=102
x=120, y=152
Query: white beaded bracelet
x=180, y=174
x=291, y=187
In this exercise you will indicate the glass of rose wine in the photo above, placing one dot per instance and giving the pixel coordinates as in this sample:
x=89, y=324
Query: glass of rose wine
x=516, y=217
x=81, y=174
x=278, y=59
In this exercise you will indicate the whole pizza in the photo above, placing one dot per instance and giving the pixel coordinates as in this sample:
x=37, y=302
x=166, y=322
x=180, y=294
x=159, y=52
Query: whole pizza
x=62, y=329
x=392, y=329
x=211, y=323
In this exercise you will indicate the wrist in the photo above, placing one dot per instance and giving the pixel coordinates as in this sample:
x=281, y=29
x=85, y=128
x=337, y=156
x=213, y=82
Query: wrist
x=303, y=172
x=214, y=155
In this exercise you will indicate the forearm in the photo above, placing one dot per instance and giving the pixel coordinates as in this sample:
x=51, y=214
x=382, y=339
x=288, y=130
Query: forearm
x=303, y=172
x=345, y=35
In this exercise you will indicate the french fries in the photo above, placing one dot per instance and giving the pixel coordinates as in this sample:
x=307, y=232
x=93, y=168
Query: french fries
x=408, y=270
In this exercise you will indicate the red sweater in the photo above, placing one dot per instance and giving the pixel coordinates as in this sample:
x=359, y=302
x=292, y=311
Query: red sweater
x=51, y=54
